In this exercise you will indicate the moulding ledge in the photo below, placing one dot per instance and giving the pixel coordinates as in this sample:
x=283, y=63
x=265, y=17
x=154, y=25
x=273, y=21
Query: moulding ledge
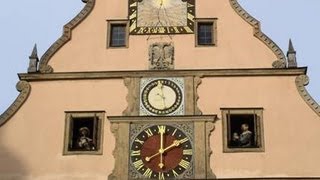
x=143, y=119
x=166, y=73
x=66, y=36
x=24, y=88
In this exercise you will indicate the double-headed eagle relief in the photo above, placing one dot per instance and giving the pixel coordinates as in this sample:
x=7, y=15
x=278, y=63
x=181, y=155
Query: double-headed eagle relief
x=161, y=56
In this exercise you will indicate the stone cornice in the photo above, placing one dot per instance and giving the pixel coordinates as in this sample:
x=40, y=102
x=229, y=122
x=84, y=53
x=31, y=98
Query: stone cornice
x=66, y=36
x=24, y=88
x=129, y=119
x=301, y=82
x=167, y=73
x=281, y=61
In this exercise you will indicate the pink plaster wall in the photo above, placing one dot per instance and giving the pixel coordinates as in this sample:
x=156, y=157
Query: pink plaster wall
x=32, y=141
x=236, y=47
x=291, y=128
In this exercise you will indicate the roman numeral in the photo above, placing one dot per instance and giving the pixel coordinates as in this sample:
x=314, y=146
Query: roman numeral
x=161, y=176
x=175, y=173
x=185, y=164
x=147, y=173
x=139, y=141
x=183, y=140
x=187, y=152
x=138, y=164
x=135, y=153
x=174, y=132
x=190, y=5
x=162, y=129
x=149, y=132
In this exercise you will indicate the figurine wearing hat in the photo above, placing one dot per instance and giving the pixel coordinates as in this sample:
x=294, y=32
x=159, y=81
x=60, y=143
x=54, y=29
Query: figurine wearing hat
x=84, y=142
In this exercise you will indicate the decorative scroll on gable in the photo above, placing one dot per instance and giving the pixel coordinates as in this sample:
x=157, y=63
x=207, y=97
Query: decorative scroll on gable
x=66, y=36
x=301, y=82
x=24, y=88
x=281, y=61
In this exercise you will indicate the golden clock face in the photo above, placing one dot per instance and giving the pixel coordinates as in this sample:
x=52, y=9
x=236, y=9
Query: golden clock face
x=161, y=97
x=161, y=16
x=161, y=152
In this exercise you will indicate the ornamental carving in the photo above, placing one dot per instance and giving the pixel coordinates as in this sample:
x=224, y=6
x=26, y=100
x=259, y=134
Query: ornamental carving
x=301, y=82
x=161, y=56
x=281, y=62
x=24, y=88
x=66, y=36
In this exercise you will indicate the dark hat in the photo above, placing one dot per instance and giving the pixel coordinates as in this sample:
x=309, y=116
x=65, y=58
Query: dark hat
x=84, y=129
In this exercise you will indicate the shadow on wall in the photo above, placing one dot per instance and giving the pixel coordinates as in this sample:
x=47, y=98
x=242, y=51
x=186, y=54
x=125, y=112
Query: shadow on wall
x=11, y=168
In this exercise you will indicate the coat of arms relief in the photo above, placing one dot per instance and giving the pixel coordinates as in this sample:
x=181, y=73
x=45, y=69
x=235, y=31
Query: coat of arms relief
x=161, y=56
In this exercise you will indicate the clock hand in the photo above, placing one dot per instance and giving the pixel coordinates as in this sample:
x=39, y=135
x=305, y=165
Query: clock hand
x=161, y=165
x=163, y=99
x=175, y=143
x=161, y=94
x=150, y=157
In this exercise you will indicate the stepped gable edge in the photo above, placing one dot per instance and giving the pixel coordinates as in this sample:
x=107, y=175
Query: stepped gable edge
x=66, y=36
x=24, y=88
x=281, y=61
x=301, y=82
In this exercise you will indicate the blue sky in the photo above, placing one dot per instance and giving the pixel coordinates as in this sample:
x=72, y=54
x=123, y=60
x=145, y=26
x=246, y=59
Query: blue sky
x=24, y=23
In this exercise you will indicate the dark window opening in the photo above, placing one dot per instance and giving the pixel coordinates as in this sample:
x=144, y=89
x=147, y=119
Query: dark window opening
x=83, y=134
x=118, y=35
x=205, y=33
x=242, y=131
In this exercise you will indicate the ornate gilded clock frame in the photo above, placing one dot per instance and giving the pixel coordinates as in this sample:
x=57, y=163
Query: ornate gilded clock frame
x=139, y=137
x=191, y=84
x=203, y=126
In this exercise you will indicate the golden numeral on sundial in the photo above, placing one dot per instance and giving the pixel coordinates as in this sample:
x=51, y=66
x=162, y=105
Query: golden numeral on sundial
x=187, y=152
x=162, y=129
x=139, y=141
x=138, y=164
x=161, y=176
x=135, y=153
x=147, y=173
x=185, y=164
x=175, y=173
x=149, y=132
x=183, y=140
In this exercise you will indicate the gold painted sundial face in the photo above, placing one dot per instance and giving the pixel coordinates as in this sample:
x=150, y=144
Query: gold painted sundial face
x=161, y=16
x=171, y=13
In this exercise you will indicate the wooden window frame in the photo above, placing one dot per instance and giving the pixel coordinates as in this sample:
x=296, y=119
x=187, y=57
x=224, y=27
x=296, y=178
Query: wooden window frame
x=100, y=115
x=259, y=132
x=109, y=31
x=214, y=29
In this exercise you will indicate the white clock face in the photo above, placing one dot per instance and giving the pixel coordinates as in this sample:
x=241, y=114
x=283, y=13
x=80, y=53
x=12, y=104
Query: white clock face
x=162, y=96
